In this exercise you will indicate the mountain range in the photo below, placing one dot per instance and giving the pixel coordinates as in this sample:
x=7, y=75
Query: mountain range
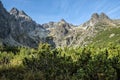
x=19, y=29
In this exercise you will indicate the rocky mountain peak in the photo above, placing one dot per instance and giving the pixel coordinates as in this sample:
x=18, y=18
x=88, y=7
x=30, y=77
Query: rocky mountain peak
x=95, y=16
x=62, y=21
x=103, y=16
x=19, y=14
x=14, y=11
x=98, y=18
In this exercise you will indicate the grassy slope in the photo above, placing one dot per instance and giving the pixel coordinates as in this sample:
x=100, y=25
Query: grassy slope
x=104, y=38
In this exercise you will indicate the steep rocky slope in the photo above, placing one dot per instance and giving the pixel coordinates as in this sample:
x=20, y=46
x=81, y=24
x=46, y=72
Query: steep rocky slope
x=96, y=24
x=65, y=34
x=5, y=29
x=30, y=33
x=17, y=29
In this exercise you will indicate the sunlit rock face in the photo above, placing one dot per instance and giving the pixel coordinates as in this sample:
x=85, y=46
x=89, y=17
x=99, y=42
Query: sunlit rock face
x=66, y=34
x=59, y=31
x=96, y=18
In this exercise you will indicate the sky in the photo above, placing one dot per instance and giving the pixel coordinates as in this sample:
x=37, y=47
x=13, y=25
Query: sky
x=73, y=11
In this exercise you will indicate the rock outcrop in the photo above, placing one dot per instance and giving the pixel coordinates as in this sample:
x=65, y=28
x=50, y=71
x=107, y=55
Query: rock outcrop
x=96, y=19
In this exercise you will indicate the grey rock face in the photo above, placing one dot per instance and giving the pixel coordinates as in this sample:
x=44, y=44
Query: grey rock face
x=62, y=28
x=4, y=25
x=58, y=31
x=17, y=28
x=30, y=33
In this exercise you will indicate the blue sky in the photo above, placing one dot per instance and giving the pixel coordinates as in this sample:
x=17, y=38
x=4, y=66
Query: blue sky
x=73, y=11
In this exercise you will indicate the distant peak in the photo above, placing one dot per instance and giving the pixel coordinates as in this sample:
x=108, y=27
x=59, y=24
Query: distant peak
x=14, y=11
x=103, y=16
x=95, y=15
x=17, y=13
x=62, y=20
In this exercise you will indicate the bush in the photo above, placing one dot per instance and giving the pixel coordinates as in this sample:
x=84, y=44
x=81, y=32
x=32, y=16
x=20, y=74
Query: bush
x=46, y=63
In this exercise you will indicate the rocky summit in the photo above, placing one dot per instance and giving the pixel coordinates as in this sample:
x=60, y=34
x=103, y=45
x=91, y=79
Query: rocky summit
x=18, y=29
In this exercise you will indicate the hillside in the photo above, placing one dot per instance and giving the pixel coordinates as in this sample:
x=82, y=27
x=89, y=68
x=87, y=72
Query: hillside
x=107, y=36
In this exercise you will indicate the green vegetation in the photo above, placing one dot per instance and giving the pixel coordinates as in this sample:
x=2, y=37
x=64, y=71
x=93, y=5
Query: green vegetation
x=46, y=63
x=108, y=36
